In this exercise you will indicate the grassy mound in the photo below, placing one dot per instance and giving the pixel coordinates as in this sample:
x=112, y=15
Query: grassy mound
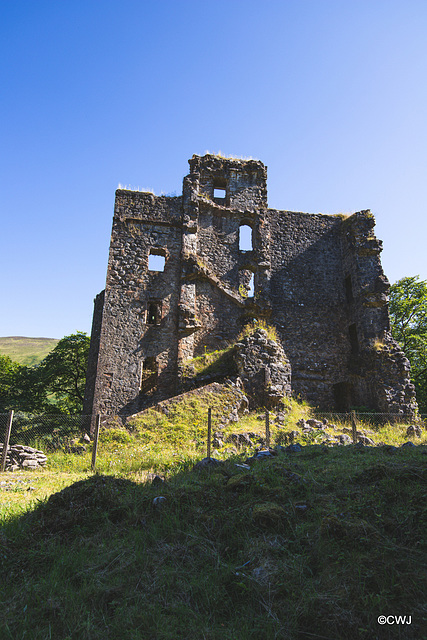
x=310, y=544
x=315, y=544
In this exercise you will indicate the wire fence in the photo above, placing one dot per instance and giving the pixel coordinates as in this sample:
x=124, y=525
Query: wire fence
x=372, y=420
x=27, y=434
x=49, y=431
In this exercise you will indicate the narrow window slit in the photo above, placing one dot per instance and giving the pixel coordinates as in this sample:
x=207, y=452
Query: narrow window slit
x=245, y=238
x=154, y=312
x=354, y=340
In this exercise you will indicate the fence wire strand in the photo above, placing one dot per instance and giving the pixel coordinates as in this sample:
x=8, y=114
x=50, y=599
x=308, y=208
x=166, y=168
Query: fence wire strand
x=49, y=431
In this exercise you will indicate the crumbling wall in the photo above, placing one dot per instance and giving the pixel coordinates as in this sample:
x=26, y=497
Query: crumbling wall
x=263, y=368
x=317, y=279
x=134, y=352
x=378, y=371
x=308, y=300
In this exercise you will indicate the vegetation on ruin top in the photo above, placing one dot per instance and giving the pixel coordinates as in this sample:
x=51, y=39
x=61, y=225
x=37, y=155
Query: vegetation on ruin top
x=259, y=323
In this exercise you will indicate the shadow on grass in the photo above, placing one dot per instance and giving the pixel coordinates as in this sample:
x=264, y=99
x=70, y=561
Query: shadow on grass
x=315, y=544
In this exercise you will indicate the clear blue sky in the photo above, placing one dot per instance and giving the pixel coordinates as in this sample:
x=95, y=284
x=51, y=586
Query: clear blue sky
x=330, y=94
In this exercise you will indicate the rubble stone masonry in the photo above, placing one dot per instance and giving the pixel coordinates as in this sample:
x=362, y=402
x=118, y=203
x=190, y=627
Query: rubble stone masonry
x=317, y=279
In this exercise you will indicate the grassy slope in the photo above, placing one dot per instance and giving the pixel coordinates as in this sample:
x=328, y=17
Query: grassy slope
x=314, y=544
x=28, y=351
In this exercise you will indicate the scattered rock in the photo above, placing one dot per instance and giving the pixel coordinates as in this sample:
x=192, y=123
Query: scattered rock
x=390, y=449
x=267, y=453
x=301, y=508
x=280, y=418
x=314, y=423
x=207, y=463
x=22, y=457
x=294, y=448
x=159, y=501
x=234, y=416
x=155, y=479
x=78, y=449
x=242, y=439
x=308, y=429
x=262, y=455
x=413, y=431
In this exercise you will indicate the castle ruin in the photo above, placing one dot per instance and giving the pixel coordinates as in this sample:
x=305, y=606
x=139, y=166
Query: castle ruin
x=180, y=281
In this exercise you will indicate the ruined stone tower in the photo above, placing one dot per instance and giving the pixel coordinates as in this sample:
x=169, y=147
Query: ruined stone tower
x=317, y=278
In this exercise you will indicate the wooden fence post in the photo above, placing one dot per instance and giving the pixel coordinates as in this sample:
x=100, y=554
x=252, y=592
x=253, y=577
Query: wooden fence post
x=267, y=429
x=6, y=441
x=95, y=440
x=209, y=432
x=354, y=427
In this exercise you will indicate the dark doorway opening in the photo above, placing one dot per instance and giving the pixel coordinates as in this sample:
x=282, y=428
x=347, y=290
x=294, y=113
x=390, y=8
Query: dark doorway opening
x=343, y=396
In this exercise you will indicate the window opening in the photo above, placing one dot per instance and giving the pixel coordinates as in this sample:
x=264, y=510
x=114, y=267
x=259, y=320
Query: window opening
x=219, y=193
x=354, y=341
x=156, y=261
x=154, y=312
x=251, y=287
x=348, y=289
x=245, y=237
x=246, y=283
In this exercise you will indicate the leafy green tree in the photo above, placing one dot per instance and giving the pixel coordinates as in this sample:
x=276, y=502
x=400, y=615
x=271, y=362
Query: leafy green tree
x=20, y=388
x=56, y=385
x=63, y=373
x=408, y=317
x=8, y=375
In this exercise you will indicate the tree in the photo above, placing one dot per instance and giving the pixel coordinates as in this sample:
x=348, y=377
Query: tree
x=20, y=388
x=8, y=374
x=408, y=317
x=56, y=385
x=63, y=372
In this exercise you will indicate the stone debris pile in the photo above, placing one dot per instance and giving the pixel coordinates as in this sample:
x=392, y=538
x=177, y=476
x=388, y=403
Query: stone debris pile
x=20, y=456
x=264, y=369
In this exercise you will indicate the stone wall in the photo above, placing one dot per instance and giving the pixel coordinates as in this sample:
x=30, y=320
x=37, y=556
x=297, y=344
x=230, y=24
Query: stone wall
x=317, y=279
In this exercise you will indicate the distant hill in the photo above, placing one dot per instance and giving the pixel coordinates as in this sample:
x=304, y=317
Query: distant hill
x=28, y=351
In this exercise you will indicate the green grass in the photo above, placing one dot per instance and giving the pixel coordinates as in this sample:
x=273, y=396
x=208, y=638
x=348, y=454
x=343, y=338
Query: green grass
x=27, y=351
x=315, y=544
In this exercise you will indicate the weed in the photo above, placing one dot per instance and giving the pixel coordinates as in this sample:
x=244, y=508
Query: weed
x=259, y=323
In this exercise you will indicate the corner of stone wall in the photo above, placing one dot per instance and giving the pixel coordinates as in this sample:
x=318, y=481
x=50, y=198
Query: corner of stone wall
x=390, y=376
x=92, y=365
